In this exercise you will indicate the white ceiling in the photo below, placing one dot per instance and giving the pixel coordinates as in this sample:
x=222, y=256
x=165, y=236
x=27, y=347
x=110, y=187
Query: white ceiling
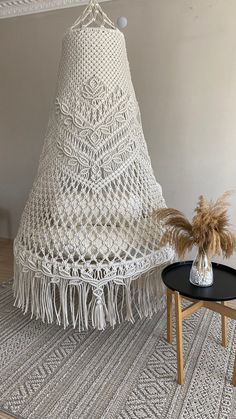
x=12, y=8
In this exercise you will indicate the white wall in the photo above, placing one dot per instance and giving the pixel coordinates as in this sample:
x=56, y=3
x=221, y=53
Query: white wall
x=183, y=60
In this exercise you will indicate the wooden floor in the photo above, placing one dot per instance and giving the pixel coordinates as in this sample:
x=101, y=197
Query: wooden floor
x=6, y=274
x=6, y=260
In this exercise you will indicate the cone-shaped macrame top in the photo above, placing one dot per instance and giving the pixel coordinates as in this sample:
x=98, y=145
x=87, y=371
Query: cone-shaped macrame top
x=88, y=225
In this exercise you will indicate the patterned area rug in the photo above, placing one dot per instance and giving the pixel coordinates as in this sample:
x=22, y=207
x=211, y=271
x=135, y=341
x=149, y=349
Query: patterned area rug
x=47, y=372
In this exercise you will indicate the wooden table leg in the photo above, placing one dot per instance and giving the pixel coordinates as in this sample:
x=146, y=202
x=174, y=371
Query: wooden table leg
x=179, y=338
x=169, y=316
x=223, y=328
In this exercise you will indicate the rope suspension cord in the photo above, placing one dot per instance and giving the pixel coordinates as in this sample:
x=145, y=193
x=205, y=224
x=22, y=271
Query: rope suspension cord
x=93, y=14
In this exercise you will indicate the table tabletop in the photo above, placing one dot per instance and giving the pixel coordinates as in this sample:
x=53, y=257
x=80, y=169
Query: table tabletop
x=176, y=278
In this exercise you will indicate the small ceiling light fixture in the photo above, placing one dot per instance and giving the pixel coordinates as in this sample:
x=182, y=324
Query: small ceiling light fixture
x=122, y=22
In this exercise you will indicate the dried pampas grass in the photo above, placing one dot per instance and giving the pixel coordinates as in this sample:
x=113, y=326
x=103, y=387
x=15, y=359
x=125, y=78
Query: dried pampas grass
x=209, y=230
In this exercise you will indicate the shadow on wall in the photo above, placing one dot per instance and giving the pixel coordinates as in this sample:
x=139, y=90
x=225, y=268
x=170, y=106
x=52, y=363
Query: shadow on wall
x=5, y=223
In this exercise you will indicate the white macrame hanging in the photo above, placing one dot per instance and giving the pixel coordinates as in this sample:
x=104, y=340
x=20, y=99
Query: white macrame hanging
x=87, y=250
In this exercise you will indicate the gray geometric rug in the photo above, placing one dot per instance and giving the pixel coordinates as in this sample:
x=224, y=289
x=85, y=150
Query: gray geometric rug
x=47, y=372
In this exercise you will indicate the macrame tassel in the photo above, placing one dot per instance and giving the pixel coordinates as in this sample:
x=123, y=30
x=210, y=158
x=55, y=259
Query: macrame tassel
x=82, y=305
x=129, y=311
x=99, y=316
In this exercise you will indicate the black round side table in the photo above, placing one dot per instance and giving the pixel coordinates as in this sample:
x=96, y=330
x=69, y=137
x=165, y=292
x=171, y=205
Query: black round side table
x=176, y=279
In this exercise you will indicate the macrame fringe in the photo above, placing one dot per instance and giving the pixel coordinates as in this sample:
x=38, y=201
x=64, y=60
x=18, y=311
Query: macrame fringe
x=83, y=306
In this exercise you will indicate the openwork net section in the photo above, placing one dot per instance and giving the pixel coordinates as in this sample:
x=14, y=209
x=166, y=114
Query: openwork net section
x=87, y=234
